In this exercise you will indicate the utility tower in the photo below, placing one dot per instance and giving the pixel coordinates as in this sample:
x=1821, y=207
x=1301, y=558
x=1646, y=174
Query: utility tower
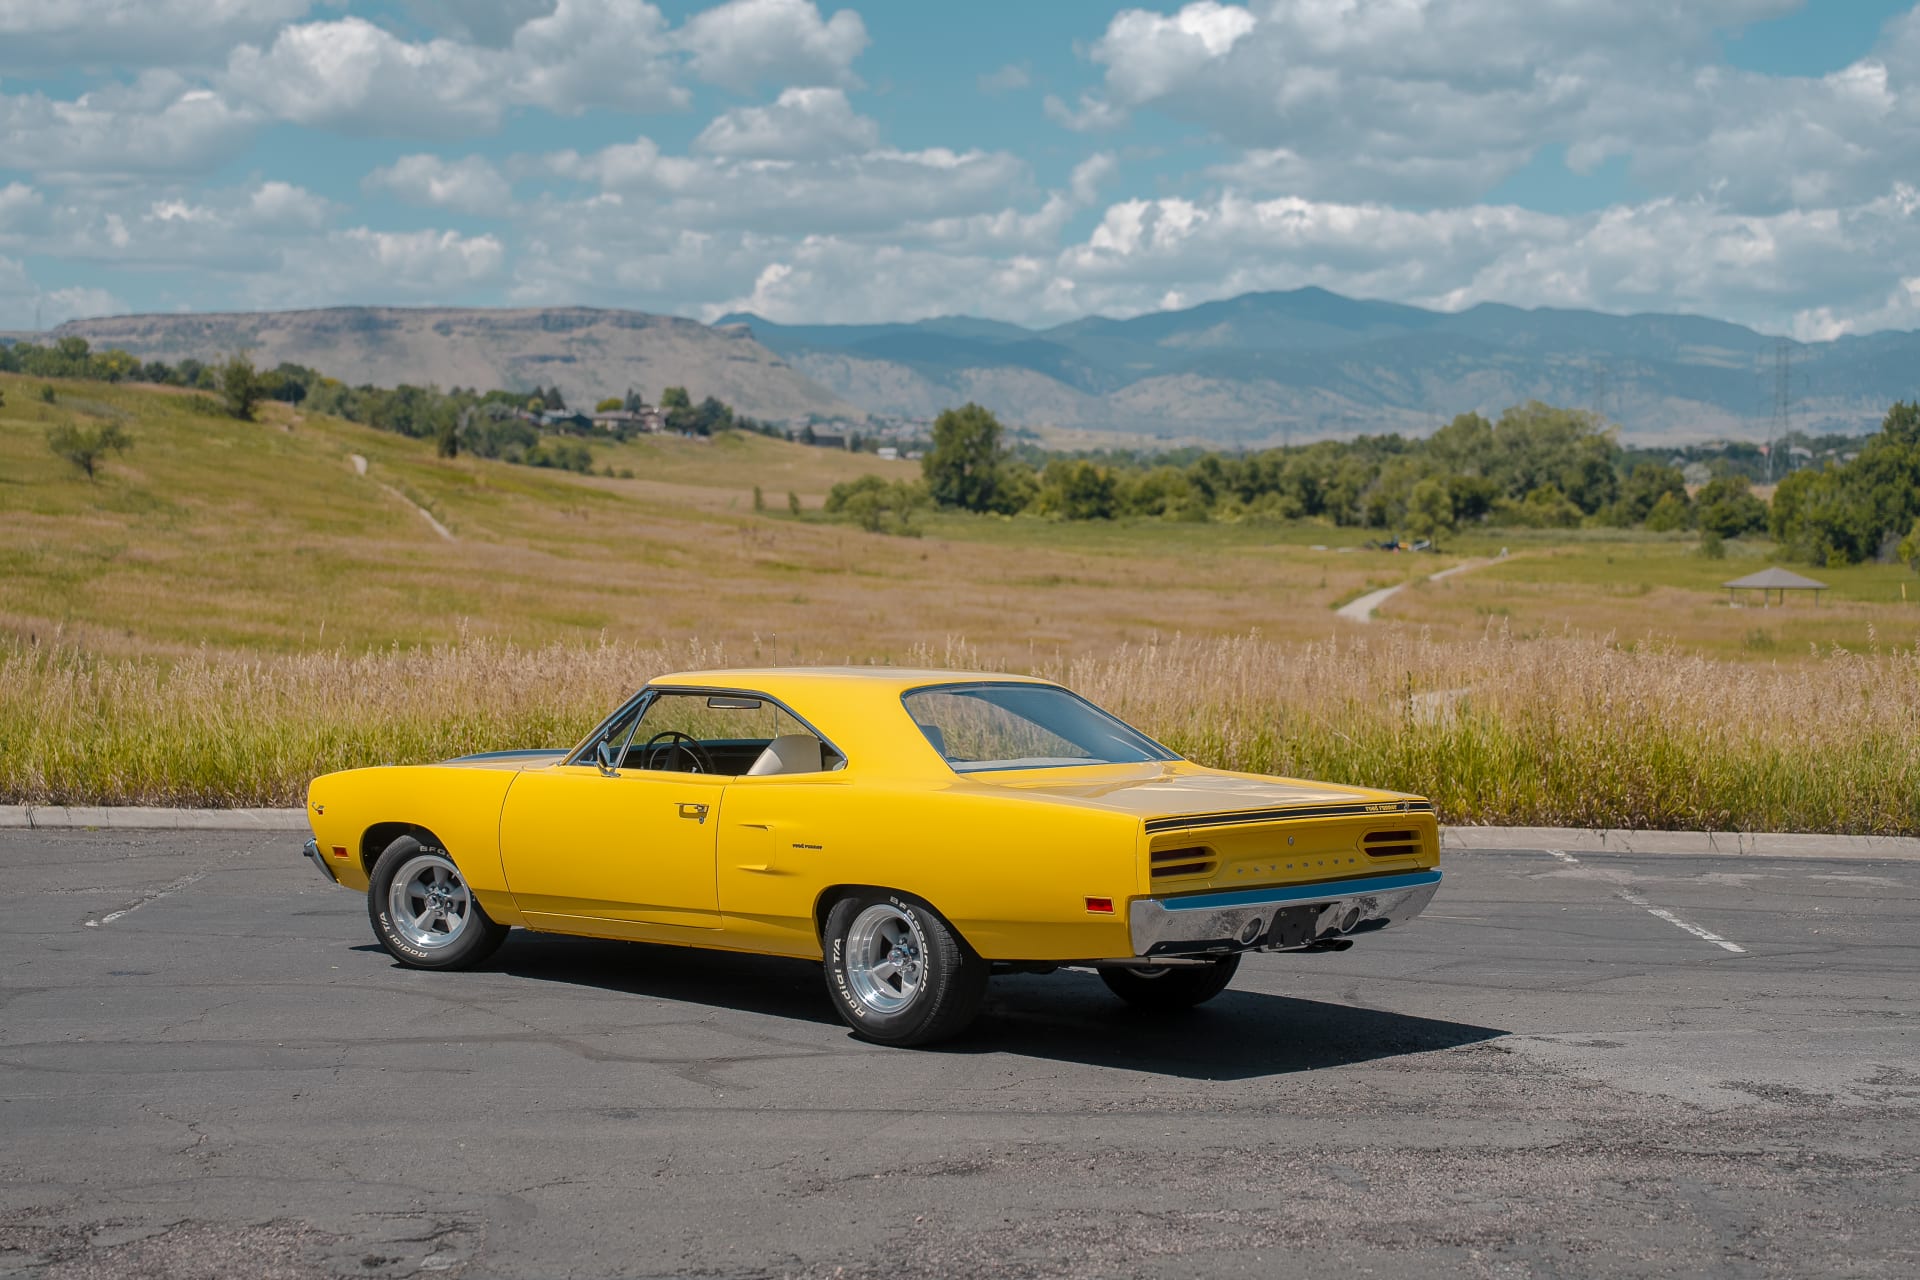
x=1782, y=423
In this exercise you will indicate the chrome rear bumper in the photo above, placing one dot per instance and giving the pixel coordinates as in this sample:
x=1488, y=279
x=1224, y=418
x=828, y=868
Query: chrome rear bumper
x=312, y=850
x=1286, y=918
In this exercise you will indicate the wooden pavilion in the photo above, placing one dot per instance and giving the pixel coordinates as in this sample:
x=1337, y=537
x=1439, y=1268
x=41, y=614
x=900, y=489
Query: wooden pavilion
x=1768, y=581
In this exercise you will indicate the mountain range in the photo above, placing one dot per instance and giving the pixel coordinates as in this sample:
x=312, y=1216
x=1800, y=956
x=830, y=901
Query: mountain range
x=1265, y=367
x=1259, y=368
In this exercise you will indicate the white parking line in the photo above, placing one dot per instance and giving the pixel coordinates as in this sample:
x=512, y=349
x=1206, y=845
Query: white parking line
x=1628, y=895
x=155, y=896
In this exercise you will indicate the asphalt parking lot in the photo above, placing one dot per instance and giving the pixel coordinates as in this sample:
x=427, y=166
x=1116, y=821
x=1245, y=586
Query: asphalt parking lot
x=1605, y=1066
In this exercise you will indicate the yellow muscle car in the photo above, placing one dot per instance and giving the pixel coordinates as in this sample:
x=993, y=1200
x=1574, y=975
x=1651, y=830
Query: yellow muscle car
x=915, y=830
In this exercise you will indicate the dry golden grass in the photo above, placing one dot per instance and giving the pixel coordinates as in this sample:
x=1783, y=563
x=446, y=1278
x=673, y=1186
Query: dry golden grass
x=1562, y=731
x=233, y=609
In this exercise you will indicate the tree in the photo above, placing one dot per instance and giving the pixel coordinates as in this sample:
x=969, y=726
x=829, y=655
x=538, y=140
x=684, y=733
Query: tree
x=446, y=441
x=1910, y=547
x=634, y=402
x=86, y=447
x=1672, y=512
x=1729, y=510
x=1078, y=490
x=612, y=404
x=675, y=398
x=240, y=386
x=877, y=505
x=1849, y=513
x=1429, y=509
x=793, y=503
x=964, y=468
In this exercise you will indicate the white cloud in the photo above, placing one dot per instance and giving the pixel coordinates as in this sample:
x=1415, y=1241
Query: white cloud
x=487, y=22
x=362, y=261
x=79, y=303
x=744, y=43
x=468, y=185
x=1439, y=100
x=1094, y=114
x=1090, y=173
x=802, y=124
x=37, y=35
x=158, y=124
x=24, y=304
x=590, y=53
x=865, y=191
x=1148, y=56
x=355, y=77
x=22, y=210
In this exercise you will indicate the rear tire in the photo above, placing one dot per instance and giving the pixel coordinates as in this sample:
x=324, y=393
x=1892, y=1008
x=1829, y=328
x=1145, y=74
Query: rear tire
x=424, y=914
x=897, y=973
x=1171, y=988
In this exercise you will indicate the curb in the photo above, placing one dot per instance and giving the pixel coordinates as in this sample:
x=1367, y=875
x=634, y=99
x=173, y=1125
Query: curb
x=1452, y=839
x=122, y=818
x=1750, y=844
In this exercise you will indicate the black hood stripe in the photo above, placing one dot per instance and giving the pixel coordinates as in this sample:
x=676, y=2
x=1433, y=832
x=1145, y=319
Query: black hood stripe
x=1378, y=808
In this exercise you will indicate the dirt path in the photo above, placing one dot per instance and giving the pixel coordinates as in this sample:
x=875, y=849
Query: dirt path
x=1361, y=610
x=360, y=469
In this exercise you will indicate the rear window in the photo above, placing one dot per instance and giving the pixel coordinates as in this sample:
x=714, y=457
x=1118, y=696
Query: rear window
x=979, y=727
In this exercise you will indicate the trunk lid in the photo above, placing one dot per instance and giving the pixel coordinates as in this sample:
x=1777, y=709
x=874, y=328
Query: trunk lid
x=1202, y=830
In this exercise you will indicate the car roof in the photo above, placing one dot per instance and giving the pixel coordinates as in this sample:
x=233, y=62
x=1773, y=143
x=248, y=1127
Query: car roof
x=772, y=680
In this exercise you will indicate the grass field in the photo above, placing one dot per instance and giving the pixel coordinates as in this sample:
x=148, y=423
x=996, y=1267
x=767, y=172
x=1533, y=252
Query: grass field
x=233, y=607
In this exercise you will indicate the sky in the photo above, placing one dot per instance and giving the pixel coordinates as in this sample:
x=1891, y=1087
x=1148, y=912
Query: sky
x=1752, y=160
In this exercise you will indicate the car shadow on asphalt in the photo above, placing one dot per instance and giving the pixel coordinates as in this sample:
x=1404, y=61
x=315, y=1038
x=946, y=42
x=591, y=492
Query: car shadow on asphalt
x=1068, y=1016
x=1238, y=1035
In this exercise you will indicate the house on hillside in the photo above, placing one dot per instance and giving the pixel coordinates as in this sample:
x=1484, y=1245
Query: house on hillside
x=565, y=420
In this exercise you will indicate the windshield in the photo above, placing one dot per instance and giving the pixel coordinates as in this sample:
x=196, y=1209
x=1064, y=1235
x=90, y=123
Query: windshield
x=977, y=727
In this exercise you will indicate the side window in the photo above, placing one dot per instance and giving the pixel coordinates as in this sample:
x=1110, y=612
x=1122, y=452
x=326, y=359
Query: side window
x=616, y=735
x=728, y=734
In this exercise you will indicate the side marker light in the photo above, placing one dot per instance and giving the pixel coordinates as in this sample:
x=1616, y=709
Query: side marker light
x=1100, y=906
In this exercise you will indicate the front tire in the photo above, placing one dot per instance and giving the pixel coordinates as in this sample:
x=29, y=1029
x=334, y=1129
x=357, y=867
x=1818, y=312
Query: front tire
x=897, y=973
x=423, y=912
x=1171, y=988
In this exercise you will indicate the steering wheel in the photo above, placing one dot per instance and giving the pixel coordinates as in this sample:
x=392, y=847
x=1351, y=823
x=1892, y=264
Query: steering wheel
x=675, y=742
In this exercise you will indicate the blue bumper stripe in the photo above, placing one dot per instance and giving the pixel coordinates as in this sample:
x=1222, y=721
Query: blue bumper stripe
x=1300, y=892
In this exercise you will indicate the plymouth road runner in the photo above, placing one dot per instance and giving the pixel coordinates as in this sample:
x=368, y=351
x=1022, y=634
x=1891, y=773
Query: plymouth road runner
x=916, y=831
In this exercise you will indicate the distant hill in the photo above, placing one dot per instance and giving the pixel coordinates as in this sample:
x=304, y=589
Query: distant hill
x=1309, y=363
x=587, y=353
x=1259, y=368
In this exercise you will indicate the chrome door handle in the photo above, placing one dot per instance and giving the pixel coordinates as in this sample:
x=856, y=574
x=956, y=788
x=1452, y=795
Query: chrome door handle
x=698, y=812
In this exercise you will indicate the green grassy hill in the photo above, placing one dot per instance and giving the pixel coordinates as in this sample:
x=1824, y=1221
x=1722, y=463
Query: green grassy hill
x=265, y=536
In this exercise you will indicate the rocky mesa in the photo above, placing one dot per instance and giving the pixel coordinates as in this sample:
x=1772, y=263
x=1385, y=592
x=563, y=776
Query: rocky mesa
x=588, y=353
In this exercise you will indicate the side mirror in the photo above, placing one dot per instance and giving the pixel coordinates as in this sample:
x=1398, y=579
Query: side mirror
x=603, y=756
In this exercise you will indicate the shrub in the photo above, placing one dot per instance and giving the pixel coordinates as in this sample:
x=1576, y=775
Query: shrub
x=87, y=447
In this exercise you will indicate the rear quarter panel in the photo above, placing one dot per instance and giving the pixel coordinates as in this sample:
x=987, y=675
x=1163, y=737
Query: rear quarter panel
x=459, y=805
x=1012, y=873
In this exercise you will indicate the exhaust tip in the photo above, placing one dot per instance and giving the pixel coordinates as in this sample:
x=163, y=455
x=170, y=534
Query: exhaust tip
x=1352, y=919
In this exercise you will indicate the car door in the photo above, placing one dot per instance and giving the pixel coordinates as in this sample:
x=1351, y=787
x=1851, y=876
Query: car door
x=618, y=852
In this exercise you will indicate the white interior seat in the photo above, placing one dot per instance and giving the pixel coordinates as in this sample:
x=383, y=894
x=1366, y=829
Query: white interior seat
x=790, y=753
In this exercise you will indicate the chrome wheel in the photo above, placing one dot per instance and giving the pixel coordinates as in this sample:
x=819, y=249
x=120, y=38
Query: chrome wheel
x=885, y=958
x=428, y=903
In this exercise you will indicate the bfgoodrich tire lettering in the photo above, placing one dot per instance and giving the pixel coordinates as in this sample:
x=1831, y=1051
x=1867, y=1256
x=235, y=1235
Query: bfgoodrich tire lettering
x=898, y=973
x=422, y=911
